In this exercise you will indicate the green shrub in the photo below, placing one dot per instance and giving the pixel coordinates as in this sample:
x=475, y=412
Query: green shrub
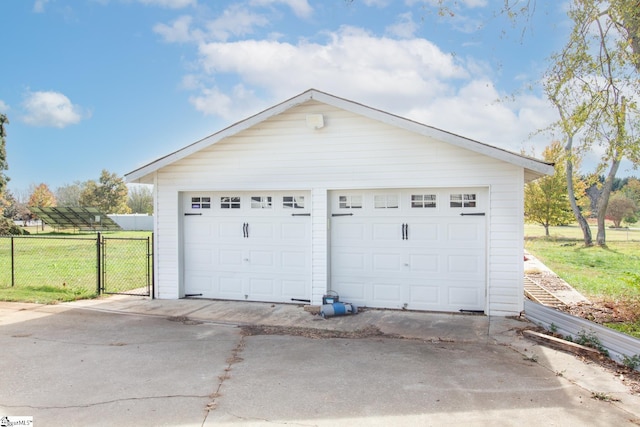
x=8, y=228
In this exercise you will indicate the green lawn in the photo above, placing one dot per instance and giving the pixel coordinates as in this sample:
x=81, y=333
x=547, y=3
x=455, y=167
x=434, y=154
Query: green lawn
x=610, y=274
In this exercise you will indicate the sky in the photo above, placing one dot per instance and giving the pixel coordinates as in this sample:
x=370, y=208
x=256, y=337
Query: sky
x=89, y=85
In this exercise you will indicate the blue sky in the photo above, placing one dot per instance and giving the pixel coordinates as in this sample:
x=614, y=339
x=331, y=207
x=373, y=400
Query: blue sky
x=114, y=84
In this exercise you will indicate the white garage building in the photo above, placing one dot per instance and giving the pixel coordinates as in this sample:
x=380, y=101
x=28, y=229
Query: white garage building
x=320, y=193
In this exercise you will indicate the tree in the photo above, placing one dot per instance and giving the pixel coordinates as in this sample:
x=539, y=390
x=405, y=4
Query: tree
x=69, y=195
x=546, y=200
x=620, y=207
x=41, y=197
x=16, y=210
x=140, y=199
x=109, y=194
x=593, y=83
x=632, y=190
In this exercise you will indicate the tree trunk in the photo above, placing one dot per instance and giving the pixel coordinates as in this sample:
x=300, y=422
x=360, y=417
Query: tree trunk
x=546, y=230
x=584, y=225
x=603, y=201
x=631, y=19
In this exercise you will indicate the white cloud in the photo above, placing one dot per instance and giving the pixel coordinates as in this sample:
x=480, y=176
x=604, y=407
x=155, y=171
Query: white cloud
x=38, y=6
x=178, y=32
x=232, y=107
x=300, y=8
x=377, y=3
x=458, y=4
x=405, y=27
x=50, y=109
x=170, y=4
x=235, y=21
x=3, y=107
x=352, y=61
x=475, y=111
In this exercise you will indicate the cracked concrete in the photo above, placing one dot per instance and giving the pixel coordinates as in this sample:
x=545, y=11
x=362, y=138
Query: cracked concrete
x=132, y=361
x=68, y=371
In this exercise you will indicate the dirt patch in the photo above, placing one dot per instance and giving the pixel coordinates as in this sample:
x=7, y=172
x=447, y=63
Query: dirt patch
x=601, y=310
x=366, y=332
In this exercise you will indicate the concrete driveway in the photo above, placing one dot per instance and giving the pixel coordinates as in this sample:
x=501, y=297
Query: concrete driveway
x=125, y=361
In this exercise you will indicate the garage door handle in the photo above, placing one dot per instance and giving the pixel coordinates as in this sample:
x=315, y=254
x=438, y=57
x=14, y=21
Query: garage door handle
x=349, y=214
x=472, y=214
x=302, y=214
x=245, y=230
x=405, y=231
x=192, y=214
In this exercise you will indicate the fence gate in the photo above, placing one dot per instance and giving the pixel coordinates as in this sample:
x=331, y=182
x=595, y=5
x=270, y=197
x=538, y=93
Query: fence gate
x=126, y=266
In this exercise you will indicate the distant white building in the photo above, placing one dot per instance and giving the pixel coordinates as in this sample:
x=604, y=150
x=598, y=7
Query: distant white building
x=134, y=222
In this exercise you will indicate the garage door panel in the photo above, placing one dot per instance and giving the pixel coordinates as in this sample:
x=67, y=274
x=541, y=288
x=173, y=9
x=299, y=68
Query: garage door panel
x=351, y=262
x=465, y=297
x=348, y=230
x=261, y=231
x=387, y=262
x=199, y=258
x=424, y=263
x=351, y=289
x=386, y=232
x=261, y=259
x=294, y=288
x=464, y=232
x=229, y=286
x=228, y=258
x=424, y=296
x=418, y=232
x=387, y=294
x=294, y=233
x=465, y=264
x=262, y=288
x=229, y=230
x=294, y=260
x=199, y=232
x=203, y=281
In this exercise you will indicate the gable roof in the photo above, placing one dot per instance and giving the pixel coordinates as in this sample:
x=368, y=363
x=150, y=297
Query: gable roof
x=534, y=168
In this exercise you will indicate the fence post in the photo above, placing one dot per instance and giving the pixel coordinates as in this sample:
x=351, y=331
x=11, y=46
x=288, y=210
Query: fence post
x=99, y=263
x=13, y=267
x=153, y=266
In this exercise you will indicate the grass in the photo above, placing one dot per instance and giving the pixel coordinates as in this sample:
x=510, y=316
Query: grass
x=45, y=294
x=608, y=274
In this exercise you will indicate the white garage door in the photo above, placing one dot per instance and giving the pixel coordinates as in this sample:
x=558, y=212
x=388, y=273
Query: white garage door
x=247, y=246
x=416, y=249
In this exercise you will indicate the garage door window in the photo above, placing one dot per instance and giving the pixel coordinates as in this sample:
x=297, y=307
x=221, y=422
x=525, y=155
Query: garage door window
x=385, y=201
x=201, y=203
x=230, y=202
x=293, y=202
x=261, y=202
x=423, y=200
x=462, y=200
x=350, y=202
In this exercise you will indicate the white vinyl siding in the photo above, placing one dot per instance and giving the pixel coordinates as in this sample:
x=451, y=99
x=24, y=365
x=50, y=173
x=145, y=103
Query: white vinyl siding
x=349, y=152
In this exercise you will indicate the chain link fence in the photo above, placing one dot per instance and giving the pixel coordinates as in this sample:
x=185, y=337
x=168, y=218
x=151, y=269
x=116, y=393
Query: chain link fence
x=123, y=269
x=79, y=264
